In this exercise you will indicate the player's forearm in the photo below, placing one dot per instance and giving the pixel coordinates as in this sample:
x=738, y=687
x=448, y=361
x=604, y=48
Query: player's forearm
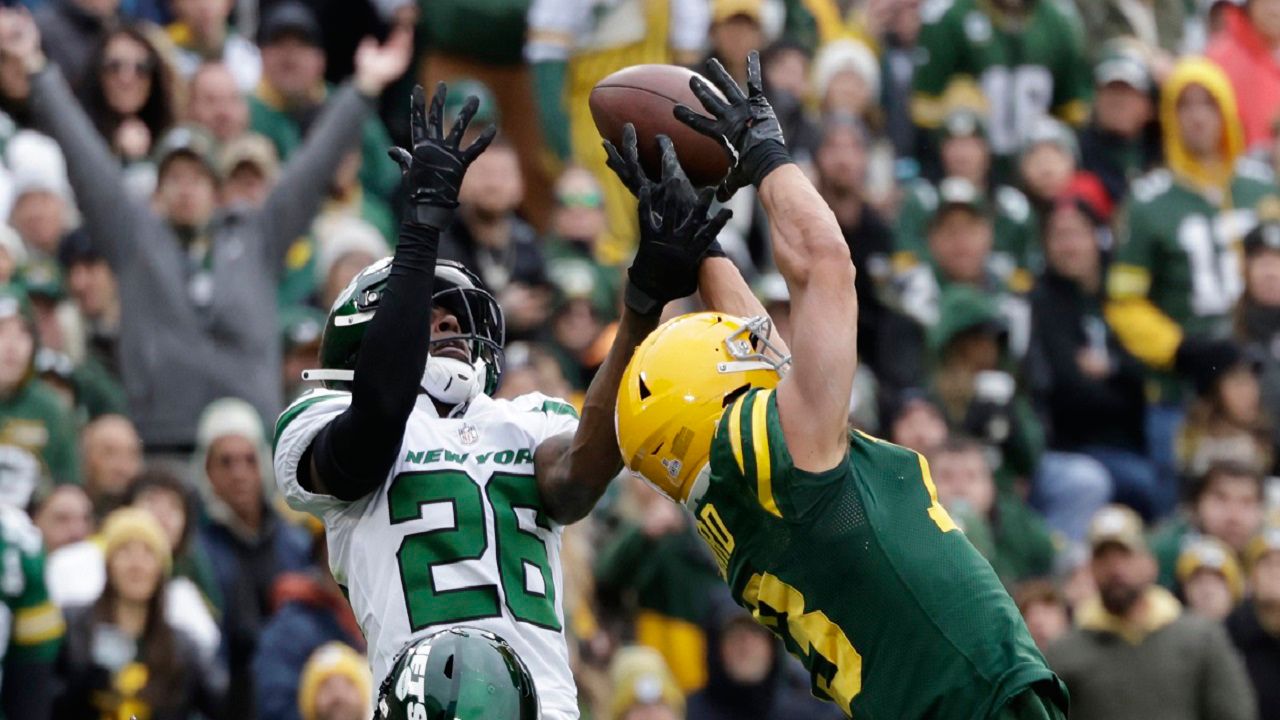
x=354, y=453
x=803, y=229
x=723, y=289
x=573, y=474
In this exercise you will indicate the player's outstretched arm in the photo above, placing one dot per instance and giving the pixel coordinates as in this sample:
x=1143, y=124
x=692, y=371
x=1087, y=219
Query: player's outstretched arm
x=813, y=399
x=354, y=453
x=675, y=234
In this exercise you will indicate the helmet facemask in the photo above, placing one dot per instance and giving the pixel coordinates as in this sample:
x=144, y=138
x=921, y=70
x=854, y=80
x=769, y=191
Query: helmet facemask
x=751, y=350
x=450, y=380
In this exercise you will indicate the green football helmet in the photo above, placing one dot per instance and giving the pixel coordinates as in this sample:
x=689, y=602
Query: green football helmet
x=449, y=380
x=458, y=674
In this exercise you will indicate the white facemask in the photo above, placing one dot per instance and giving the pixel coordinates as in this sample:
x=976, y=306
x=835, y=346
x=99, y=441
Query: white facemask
x=453, y=381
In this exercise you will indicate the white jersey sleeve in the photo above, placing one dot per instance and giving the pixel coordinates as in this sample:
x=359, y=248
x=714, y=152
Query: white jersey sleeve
x=296, y=428
x=548, y=418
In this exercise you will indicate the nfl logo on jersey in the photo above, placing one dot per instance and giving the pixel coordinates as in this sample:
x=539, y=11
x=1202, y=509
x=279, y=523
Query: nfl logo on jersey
x=468, y=434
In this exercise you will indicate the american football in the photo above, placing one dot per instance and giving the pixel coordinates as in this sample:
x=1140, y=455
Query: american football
x=644, y=95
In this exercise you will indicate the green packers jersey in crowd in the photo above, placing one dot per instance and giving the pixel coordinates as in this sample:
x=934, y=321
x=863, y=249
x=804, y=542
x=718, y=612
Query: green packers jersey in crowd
x=863, y=574
x=1181, y=250
x=1016, y=245
x=30, y=625
x=1026, y=68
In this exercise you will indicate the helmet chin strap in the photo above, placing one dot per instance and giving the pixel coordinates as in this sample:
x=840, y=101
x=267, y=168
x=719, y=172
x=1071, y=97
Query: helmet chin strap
x=451, y=381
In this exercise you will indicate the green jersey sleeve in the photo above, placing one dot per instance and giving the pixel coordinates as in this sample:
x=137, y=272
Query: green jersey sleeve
x=751, y=430
x=1073, y=86
x=941, y=47
x=35, y=623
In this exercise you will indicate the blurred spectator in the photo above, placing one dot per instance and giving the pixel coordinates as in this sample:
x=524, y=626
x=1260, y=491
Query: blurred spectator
x=1121, y=141
x=1026, y=55
x=528, y=367
x=215, y=103
x=1245, y=48
x=897, y=68
x=200, y=32
x=1226, y=503
x=1092, y=389
x=72, y=29
x=1209, y=578
x=736, y=30
x=1255, y=625
x=13, y=255
x=300, y=330
x=1047, y=162
x=247, y=542
x=335, y=685
x=785, y=66
x=347, y=198
x=121, y=656
x=92, y=287
x=34, y=626
x=37, y=431
x=488, y=237
x=841, y=163
x=129, y=94
x=310, y=614
x=293, y=92
x=1176, y=273
x=1044, y=609
x=209, y=280
x=965, y=153
x=1021, y=546
x=111, y=456
x=1156, y=26
x=658, y=569
x=748, y=675
x=64, y=516
x=1258, y=313
x=917, y=422
x=975, y=388
x=41, y=211
x=249, y=167
x=1226, y=421
x=571, y=46
x=577, y=226
x=643, y=688
x=1133, y=653
x=77, y=574
x=578, y=335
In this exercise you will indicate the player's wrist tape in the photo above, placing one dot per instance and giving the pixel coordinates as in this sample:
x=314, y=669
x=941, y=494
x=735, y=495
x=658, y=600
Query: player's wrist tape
x=437, y=217
x=765, y=158
x=641, y=302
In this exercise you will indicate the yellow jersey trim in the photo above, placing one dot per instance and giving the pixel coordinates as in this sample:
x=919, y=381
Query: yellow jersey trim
x=760, y=444
x=36, y=625
x=735, y=433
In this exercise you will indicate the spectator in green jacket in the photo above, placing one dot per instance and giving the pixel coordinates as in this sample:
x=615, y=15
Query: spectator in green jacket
x=37, y=432
x=293, y=90
x=1134, y=654
x=1226, y=502
x=1021, y=547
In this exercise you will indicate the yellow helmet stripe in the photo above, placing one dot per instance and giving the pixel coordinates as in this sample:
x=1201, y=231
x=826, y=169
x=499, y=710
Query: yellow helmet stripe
x=735, y=433
x=760, y=444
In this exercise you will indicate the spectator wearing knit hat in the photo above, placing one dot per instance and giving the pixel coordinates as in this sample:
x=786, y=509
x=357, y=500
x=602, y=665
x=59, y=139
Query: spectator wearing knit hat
x=335, y=685
x=247, y=542
x=1209, y=578
x=1134, y=654
x=1089, y=387
x=1047, y=160
x=643, y=688
x=1254, y=626
x=121, y=656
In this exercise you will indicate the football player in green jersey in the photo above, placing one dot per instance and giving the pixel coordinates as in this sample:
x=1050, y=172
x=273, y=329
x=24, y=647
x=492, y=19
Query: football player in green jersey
x=836, y=542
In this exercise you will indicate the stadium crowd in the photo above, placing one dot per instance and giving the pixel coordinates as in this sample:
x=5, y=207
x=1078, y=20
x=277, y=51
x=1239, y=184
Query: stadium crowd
x=1066, y=227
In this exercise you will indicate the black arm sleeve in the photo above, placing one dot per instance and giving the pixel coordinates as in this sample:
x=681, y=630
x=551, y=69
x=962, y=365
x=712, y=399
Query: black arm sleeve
x=353, y=454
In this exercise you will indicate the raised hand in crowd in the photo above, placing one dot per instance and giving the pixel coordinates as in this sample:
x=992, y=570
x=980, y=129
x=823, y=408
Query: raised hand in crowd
x=377, y=66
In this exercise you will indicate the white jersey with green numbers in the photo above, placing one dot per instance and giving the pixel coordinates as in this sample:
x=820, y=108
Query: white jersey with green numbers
x=455, y=536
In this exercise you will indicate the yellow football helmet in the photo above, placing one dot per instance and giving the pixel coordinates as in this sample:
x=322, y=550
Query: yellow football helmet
x=677, y=386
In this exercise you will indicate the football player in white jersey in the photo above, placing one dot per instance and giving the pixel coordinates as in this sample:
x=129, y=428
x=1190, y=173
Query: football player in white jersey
x=444, y=507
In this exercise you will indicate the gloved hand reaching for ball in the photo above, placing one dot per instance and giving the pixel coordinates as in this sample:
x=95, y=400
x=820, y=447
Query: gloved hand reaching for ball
x=675, y=230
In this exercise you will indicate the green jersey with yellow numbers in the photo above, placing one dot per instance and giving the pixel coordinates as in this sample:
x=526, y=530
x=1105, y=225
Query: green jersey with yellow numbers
x=31, y=626
x=863, y=574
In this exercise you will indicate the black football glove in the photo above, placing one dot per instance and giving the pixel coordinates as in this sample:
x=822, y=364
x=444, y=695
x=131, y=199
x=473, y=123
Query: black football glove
x=675, y=232
x=744, y=124
x=435, y=168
